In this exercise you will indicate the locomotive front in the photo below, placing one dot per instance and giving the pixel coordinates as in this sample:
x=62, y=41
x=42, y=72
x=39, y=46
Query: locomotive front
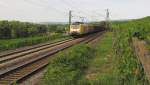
x=75, y=29
x=78, y=29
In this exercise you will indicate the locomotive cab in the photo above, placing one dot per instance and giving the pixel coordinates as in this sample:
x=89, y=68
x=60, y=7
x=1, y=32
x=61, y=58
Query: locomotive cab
x=75, y=28
x=78, y=29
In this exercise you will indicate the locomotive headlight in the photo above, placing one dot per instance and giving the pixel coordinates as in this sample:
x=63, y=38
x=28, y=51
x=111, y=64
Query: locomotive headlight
x=74, y=28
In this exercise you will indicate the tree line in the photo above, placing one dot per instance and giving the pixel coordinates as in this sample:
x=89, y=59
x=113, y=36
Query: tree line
x=16, y=29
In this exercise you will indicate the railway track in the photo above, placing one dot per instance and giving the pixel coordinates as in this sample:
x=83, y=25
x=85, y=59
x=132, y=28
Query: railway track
x=28, y=62
x=12, y=56
x=11, y=52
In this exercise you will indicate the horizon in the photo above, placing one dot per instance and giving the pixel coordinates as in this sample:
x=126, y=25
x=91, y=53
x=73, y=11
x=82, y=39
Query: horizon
x=65, y=22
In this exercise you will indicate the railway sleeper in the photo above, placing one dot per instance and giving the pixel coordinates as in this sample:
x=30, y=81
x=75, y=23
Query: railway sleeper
x=27, y=69
x=16, y=76
x=25, y=72
x=5, y=82
x=9, y=79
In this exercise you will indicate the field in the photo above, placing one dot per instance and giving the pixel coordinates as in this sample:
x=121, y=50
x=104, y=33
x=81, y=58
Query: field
x=101, y=69
x=130, y=68
x=15, y=34
x=136, y=27
x=75, y=42
x=83, y=65
x=8, y=44
x=112, y=62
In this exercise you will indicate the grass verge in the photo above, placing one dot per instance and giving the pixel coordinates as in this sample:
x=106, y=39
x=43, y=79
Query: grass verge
x=129, y=69
x=101, y=69
x=112, y=62
x=83, y=65
x=21, y=42
x=67, y=67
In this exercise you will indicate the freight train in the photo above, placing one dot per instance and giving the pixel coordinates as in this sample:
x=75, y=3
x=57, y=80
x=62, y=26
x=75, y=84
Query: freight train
x=79, y=28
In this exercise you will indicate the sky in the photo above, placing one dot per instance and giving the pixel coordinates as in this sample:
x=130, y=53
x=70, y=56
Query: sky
x=57, y=10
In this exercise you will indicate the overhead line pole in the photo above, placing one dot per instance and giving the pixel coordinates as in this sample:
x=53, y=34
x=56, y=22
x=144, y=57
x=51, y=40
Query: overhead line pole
x=107, y=18
x=70, y=16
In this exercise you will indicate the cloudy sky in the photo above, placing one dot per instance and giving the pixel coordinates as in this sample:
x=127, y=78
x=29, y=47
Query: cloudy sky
x=57, y=10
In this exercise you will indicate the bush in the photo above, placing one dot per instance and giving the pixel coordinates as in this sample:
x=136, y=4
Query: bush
x=68, y=66
x=16, y=29
x=129, y=67
x=20, y=42
x=137, y=27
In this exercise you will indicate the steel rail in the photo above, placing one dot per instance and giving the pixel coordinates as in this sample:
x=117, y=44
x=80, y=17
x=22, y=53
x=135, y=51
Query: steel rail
x=32, y=66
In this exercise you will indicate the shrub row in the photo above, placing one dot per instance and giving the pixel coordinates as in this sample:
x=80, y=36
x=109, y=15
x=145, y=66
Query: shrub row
x=16, y=29
x=138, y=27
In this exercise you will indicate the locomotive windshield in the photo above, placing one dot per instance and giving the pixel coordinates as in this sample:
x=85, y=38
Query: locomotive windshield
x=77, y=23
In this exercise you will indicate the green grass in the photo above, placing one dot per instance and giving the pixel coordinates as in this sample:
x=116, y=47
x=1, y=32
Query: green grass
x=83, y=65
x=111, y=62
x=128, y=66
x=101, y=69
x=137, y=27
x=21, y=42
x=67, y=67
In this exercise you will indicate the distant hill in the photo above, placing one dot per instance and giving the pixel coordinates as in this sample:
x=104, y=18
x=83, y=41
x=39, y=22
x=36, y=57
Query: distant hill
x=52, y=22
x=145, y=18
x=148, y=17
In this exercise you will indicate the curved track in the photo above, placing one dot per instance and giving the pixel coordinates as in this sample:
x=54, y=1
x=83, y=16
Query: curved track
x=22, y=67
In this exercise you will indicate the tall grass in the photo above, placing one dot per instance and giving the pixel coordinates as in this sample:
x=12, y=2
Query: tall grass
x=20, y=42
x=68, y=67
x=129, y=68
x=71, y=67
x=102, y=67
x=138, y=27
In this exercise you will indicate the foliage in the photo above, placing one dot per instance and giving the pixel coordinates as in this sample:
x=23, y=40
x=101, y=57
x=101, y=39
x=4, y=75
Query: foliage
x=14, y=83
x=68, y=66
x=102, y=67
x=129, y=68
x=16, y=29
x=20, y=42
x=71, y=67
x=14, y=34
x=136, y=27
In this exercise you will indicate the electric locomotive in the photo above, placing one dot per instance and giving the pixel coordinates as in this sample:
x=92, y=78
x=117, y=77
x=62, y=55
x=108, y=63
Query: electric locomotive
x=80, y=28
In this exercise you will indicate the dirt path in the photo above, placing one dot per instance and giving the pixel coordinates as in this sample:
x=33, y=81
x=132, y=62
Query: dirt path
x=101, y=68
x=143, y=55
